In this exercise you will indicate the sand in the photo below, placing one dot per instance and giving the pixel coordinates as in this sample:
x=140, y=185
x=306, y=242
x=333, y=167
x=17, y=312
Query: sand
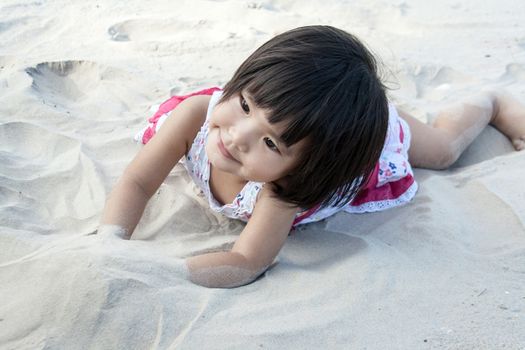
x=77, y=80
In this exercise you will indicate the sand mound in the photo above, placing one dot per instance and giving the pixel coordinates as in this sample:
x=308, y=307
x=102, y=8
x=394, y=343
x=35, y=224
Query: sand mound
x=77, y=81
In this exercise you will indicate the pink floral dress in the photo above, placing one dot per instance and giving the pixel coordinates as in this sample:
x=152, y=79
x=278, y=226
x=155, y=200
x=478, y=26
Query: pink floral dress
x=391, y=184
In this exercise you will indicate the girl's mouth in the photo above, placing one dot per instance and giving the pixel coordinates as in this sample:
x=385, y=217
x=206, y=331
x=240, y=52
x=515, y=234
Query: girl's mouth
x=223, y=149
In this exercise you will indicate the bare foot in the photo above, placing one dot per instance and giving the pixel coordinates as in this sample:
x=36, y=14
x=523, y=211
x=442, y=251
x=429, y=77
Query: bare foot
x=509, y=118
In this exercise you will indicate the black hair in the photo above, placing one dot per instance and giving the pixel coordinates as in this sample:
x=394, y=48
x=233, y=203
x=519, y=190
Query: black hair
x=323, y=83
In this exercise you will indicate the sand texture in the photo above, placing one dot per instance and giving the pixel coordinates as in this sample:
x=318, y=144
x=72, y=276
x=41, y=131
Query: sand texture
x=77, y=80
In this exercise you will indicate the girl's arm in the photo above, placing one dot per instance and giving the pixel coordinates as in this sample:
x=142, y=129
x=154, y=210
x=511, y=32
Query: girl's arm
x=252, y=253
x=149, y=168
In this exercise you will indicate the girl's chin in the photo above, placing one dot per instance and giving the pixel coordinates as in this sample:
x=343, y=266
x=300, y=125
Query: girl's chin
x=218, y=162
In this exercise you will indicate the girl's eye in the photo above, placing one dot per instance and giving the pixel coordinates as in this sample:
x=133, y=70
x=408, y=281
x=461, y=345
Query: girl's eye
x=270, y=144
x=244, y=105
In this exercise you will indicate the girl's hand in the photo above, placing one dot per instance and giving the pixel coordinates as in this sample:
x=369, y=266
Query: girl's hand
x=254, y=251
x=149, y=168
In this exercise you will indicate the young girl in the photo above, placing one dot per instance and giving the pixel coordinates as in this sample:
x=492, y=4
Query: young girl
x=302, y=131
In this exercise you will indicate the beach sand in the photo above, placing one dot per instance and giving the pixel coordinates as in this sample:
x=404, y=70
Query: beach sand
x=77, y=80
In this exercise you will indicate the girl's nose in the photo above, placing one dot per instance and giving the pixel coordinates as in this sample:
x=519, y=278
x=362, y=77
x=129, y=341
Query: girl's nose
x=242, y=135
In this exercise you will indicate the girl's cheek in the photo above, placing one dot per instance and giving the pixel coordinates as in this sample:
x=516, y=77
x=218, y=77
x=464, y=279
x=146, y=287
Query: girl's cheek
x=215, y=115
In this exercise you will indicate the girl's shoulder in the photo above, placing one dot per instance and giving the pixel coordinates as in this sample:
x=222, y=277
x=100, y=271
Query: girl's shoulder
x=197, y=105
x=190, y=116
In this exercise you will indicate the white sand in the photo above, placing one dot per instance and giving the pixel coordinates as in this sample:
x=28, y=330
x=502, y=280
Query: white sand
x=76, y=82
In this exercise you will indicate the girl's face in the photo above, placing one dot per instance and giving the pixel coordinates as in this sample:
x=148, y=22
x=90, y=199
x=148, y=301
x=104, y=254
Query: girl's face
x=242, y=142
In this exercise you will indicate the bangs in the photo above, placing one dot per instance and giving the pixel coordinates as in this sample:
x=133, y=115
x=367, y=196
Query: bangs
x=291, y=94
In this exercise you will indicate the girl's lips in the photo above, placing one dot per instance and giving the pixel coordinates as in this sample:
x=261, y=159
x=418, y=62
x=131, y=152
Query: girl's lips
x=223, y=150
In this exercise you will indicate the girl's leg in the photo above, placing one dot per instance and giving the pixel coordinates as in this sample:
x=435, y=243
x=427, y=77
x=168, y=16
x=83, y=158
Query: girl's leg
x=440, y=145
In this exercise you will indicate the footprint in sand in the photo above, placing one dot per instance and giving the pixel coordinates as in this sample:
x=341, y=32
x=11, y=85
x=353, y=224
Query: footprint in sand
x=436, y=82
x=164, y=30
x=68, y=80
x=72, y=85
x=430, y=82
x=48, y=173
x=179, y=36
